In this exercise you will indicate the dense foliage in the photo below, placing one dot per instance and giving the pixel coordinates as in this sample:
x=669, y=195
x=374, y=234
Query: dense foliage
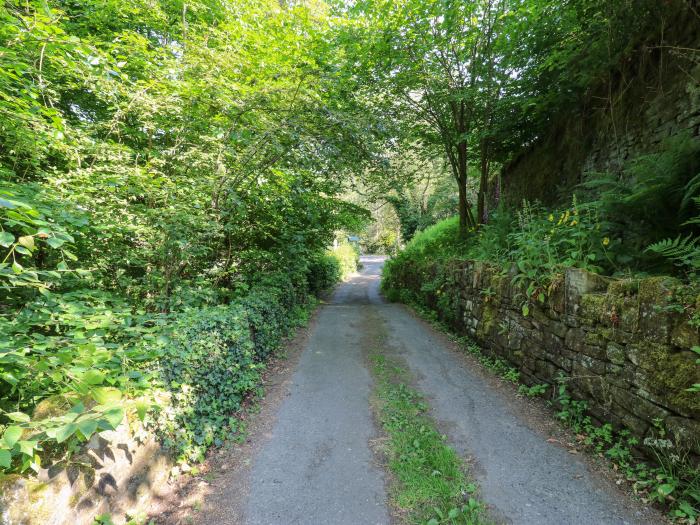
x=473, y=83
x=172, y=175
x=169, y=181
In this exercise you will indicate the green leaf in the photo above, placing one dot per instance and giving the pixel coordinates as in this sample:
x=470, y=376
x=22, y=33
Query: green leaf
x=114, y=416
x=27, y=447
x=65, y=431
x=12, y=435
x=141, y=409
x=665, y=489
x=106, y=395
x=55, y=242
x=526, y=310
x=5, y=458
x=94, y=377
x=6, y=239
x=27, y=241
x=87, y=427
x=20, y=417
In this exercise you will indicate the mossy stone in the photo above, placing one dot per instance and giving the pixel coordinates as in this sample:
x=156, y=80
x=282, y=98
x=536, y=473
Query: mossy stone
x=623, y=287
x=53, y=406
x=669, y=374
x=685, y=336
x=593, y=307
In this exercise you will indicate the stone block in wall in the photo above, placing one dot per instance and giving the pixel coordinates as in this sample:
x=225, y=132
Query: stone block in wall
x=559, y=329
x=592, y=307
x=685, y=432
x=561, y=361
x=685, y=336
x=665, y=375
x=587, y=366
x=552, y=342
x=619, y=375
x=515, y=336
x=638, y=406
x=636, y=425
x=588, y=379
x=116, y=472
x=574, y=339
x=617, y=335
x=571, y=321
x=615, y=353
x=654, y=322
x=578, y=282
x=594, y=351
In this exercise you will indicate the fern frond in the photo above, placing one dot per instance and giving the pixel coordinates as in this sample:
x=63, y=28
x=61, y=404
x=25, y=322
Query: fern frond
x=691, y=191
x=683, y=251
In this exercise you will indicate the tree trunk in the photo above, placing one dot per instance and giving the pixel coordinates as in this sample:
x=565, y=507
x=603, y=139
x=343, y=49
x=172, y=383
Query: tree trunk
x=466, y=218
x=483, y=182
x=463, y=210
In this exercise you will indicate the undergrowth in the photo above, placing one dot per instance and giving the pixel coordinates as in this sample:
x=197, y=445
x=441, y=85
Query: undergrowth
x=79, y=362
x=432, y=485
x=642, y=221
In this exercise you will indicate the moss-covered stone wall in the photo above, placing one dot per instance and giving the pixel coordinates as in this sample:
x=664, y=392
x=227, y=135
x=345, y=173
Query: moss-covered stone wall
x=620, y=342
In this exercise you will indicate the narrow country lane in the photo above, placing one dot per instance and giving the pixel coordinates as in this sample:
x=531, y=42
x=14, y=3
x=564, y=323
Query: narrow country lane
x=316, y=465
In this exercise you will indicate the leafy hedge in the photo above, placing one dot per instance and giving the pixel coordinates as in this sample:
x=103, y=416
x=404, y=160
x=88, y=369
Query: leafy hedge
x=332, y=266
x=214, y=358
x=76, y=363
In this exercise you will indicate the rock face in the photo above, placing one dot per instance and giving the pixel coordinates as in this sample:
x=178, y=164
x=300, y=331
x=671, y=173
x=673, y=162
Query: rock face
x=118, y=472
x=623, y=350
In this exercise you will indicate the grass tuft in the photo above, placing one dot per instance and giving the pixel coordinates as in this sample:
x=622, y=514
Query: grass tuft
x=431, y=482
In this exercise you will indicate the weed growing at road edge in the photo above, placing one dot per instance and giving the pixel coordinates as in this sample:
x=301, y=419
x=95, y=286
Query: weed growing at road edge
x=432, y=484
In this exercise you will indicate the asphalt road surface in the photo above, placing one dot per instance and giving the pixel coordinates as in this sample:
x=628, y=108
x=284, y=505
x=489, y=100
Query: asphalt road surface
x=315, y=465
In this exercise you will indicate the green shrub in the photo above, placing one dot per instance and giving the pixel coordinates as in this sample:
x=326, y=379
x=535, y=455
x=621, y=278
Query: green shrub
x=541, y=243
x=348, y=258
x=209, y=366
x=82, y=350
x=214, y=356
x=324, y=272
x=88, y=350
x=652, y=200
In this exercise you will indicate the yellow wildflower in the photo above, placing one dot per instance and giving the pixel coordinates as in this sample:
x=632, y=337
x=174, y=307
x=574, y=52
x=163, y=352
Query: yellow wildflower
x=606, y=241
x=551, y=218
x=574, y=222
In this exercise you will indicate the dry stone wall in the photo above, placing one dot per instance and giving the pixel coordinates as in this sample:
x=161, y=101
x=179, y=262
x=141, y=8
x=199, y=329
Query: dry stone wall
x=119, y=473
x=623, y=349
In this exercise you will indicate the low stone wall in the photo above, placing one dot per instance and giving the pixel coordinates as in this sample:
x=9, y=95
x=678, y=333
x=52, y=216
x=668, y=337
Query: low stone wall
x=616, y=340
x=119, y=472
